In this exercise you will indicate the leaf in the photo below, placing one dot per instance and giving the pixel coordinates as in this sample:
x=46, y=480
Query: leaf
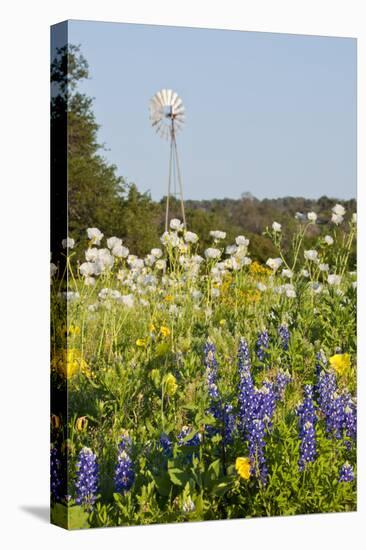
x=177, y=476
x=73, y=517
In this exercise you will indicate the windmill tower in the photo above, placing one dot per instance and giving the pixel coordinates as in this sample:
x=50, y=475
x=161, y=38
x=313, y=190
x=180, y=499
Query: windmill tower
x=167, y=118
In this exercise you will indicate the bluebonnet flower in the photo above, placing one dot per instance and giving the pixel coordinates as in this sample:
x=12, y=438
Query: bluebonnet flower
x=124, y=475
x=262, y=345
x=282, y=379
x=56, y=478
x=307, y=420
x=284, y=335
x=256, y=434
x=256, y=409
x=166, y=445
x=194, y=441
x=220, y=410
x=350, y=417
x=211, y=370
x=346, y=473
x=87, y=478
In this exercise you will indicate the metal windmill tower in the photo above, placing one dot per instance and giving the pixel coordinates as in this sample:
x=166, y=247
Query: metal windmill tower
x=167, y=118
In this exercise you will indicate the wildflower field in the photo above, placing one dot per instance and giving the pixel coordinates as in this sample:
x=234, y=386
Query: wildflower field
x=204, y=385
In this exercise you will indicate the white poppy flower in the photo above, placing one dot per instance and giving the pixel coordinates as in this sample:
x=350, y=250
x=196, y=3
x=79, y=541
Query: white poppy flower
x=71, y=296
x=161, y=265
x=68, y=243
x=176, y=224
x=218, y=235
x=215, y=292
x=113, y=241
x=94, y=235
x=354, y=217
x=212, y=253
x=299, y=216
x=324, y=267
x=157, y=252
x=304, y=273
x=312, y=216
x=190, y=237
x=231, y=249
x=287, y=273
x=241, y=240
x=316, y=287
x=89, y=281
x=87, y=269
x=311, y=255
x=262, y=287
x=127, y=300
x=274, y=263
x=53, y=269
x=91, y=254
x=339, y=210
x=334, y=280
x=337, y=219
x=120, y=251
x=276, y=227
x=328, y=240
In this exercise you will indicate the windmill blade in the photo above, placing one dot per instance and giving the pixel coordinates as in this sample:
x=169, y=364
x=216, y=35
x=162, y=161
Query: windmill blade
x=169, y=94
x=159, y=96
x=164, y=93
x=177, y=103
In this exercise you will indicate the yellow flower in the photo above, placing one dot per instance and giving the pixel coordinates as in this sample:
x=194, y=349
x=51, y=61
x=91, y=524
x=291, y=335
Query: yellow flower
x=152, y=328
x=164, y=331
x=141, y=343
x=222, y=322
x=69, y=362
x=242, y=466
x=340, y=362
x=168, y=298
x=170, y=384
x=81, y=423
x=55, y=421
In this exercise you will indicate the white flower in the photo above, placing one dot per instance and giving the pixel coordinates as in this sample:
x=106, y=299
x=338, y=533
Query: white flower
x=68, y=243
x=287, y=273
x=328, y=240
x=312, y=216
x=171, y=239
x=212, y=253
x=242, y=241
x=299, y=216
x=89, y=281
x=316, y=287
x=150, y=260
x=274, y=263
x=190, y=237
x=311, y=255
x=53, y=269
x=339, y=210
x=354, y=284
x=127, y=300
x=324, y=267
x=334, y=280
x=276, y=227
x=113, y=241
x=176, y=224
x=337, y=219
x=160, y=264
x=196, y=294
x=120, y=251
x=218, y=235
x=104, y=261
x=91, y=254
x=231, y=249
x=87, y=269
x=157, y=252
x=290, y=291
x=354, y=217
x=261, y=287
x=94, y=235
x=304, y=273
x=215, y=292
x=197, y=259
x=71, y=296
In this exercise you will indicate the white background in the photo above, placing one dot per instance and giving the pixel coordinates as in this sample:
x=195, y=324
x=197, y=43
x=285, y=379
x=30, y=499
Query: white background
x=24, y=270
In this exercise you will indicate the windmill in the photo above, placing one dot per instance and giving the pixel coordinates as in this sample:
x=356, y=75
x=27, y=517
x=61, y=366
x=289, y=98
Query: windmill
x=167, y=118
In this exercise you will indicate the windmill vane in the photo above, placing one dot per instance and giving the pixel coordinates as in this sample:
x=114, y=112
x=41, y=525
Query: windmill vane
x=167, y=117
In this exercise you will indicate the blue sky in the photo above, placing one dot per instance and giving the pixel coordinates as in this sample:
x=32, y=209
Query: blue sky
x=272, y=114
